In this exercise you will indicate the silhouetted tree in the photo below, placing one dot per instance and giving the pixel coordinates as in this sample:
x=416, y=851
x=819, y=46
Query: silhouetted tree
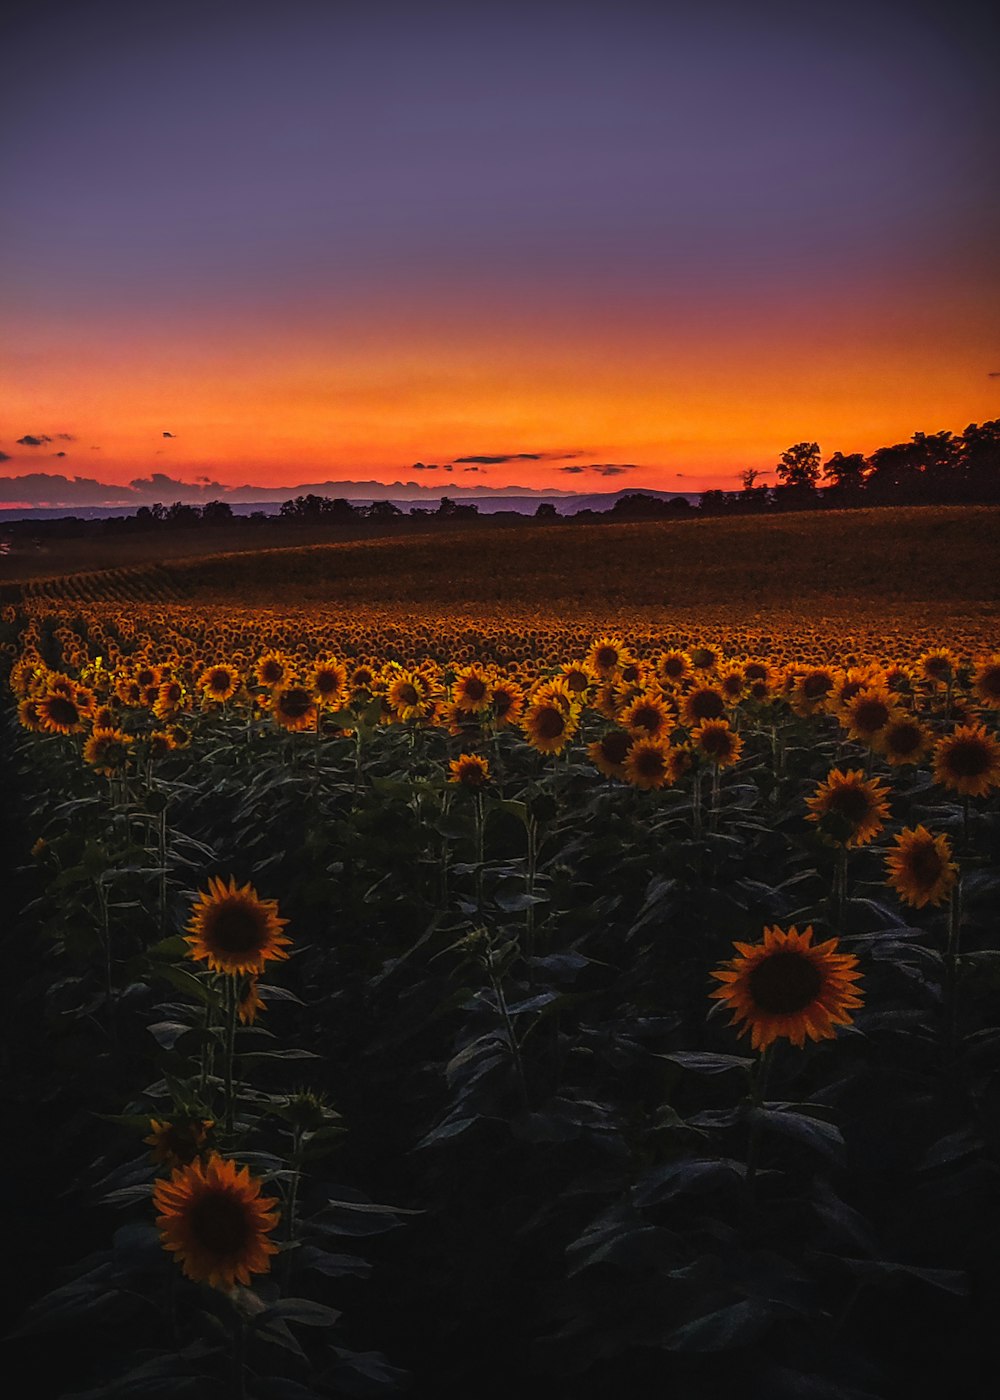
x=382, y=510
x=181, y=514
x=545, y=510
x=846, y=474
x=798, y=467
x=216, y=513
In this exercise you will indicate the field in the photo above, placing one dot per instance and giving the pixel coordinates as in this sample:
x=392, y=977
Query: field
x=561, y=954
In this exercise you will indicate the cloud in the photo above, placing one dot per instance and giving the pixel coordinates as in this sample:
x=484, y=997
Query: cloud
x=43, y=489
x=29, y=440
x=474, y=469
x=169, y=434
x=5, y=457
x=603, y=468
x=66, y=437
x=421, y=467
x=59, y=454
x=160, y=487
x=495, y=459
x=95, y=449
x=993, y=374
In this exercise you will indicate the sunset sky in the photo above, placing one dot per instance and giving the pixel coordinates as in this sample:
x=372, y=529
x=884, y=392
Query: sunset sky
x=316, y=241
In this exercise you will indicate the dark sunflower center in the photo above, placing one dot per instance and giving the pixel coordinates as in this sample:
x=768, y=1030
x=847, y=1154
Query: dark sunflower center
x=755, y=672
x=905, y=738
x=937, y=666
x=990, y=682
x=219, y=1224
x=967, y=758
x=871, y=714
x=924, y=864
x=647, y=717
x=607, y=657
x=62, y=711
x=707, y=704
x=615, y=746
x=326, y=682
x=551, y=723
x=272, y=672
x=502, y=701
x=649, y=763
x=474, y=688
x=577, y=681
x=816, y=684
x=715, y=741
x=219, y=680
x=784, y=983
x=673, y=667
x=851, y=803
x=296, y=702
x=408, y=694
x=235, y=927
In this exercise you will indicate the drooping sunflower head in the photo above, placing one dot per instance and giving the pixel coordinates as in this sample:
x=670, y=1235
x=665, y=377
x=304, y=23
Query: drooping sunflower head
x=508, y=702
x=609, y=752
x=178, y=1141
x=968, y=761
x=920, y=867
x=215, y=1222
x=234, y=931
x=28, y=716
x=107, y=751
x=849, y=807
x=715, y=741
x=469, y=770
x=986, y=682
x=789, y=988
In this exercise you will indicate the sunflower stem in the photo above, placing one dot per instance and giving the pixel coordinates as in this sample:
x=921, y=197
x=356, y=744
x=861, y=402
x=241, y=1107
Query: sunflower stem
x=696, y=822
x=758, y=1089
x=293, y=1201
x=232, y=1012
x=951, y=977
x=496, y=981
x=480, y=850
x=532, y=866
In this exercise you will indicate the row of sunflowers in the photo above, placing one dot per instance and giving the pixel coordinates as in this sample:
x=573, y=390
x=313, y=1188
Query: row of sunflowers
x=657, y=985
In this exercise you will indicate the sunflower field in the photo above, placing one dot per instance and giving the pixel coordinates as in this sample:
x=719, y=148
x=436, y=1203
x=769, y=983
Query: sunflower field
x=452, y=1003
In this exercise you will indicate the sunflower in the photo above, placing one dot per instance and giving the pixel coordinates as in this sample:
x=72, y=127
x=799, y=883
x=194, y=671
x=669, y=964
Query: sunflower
x=672, y=667
x=250, y=1002
x=609, y=752
x=647, y=764
x=921, y=869
x=718, y=743
x=812, y=690
x=408, y=694
x=508, y=702
x=733, y=684
x=60, y=714
x=473, y=690
x=215, y=1221
x=849, y=807
x=293, y=708
x=866, y=714
x=182, y=737
x=986, y=682
x=469, y=770
x=786, y=987
x=578, y=677
x=647, y=716
x=234, y=931
x=903, y=740
x=161, y=743
x=701, y=703
x=968, y=761
x=939, y=665
x=327, y=680
x=680, y=761
x=169, y=699
x=607, y=656
x=178, y=1142
x=107, y=750
x=549, y=726
x=28, y=716
x=272, y=669
x=219, y=682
